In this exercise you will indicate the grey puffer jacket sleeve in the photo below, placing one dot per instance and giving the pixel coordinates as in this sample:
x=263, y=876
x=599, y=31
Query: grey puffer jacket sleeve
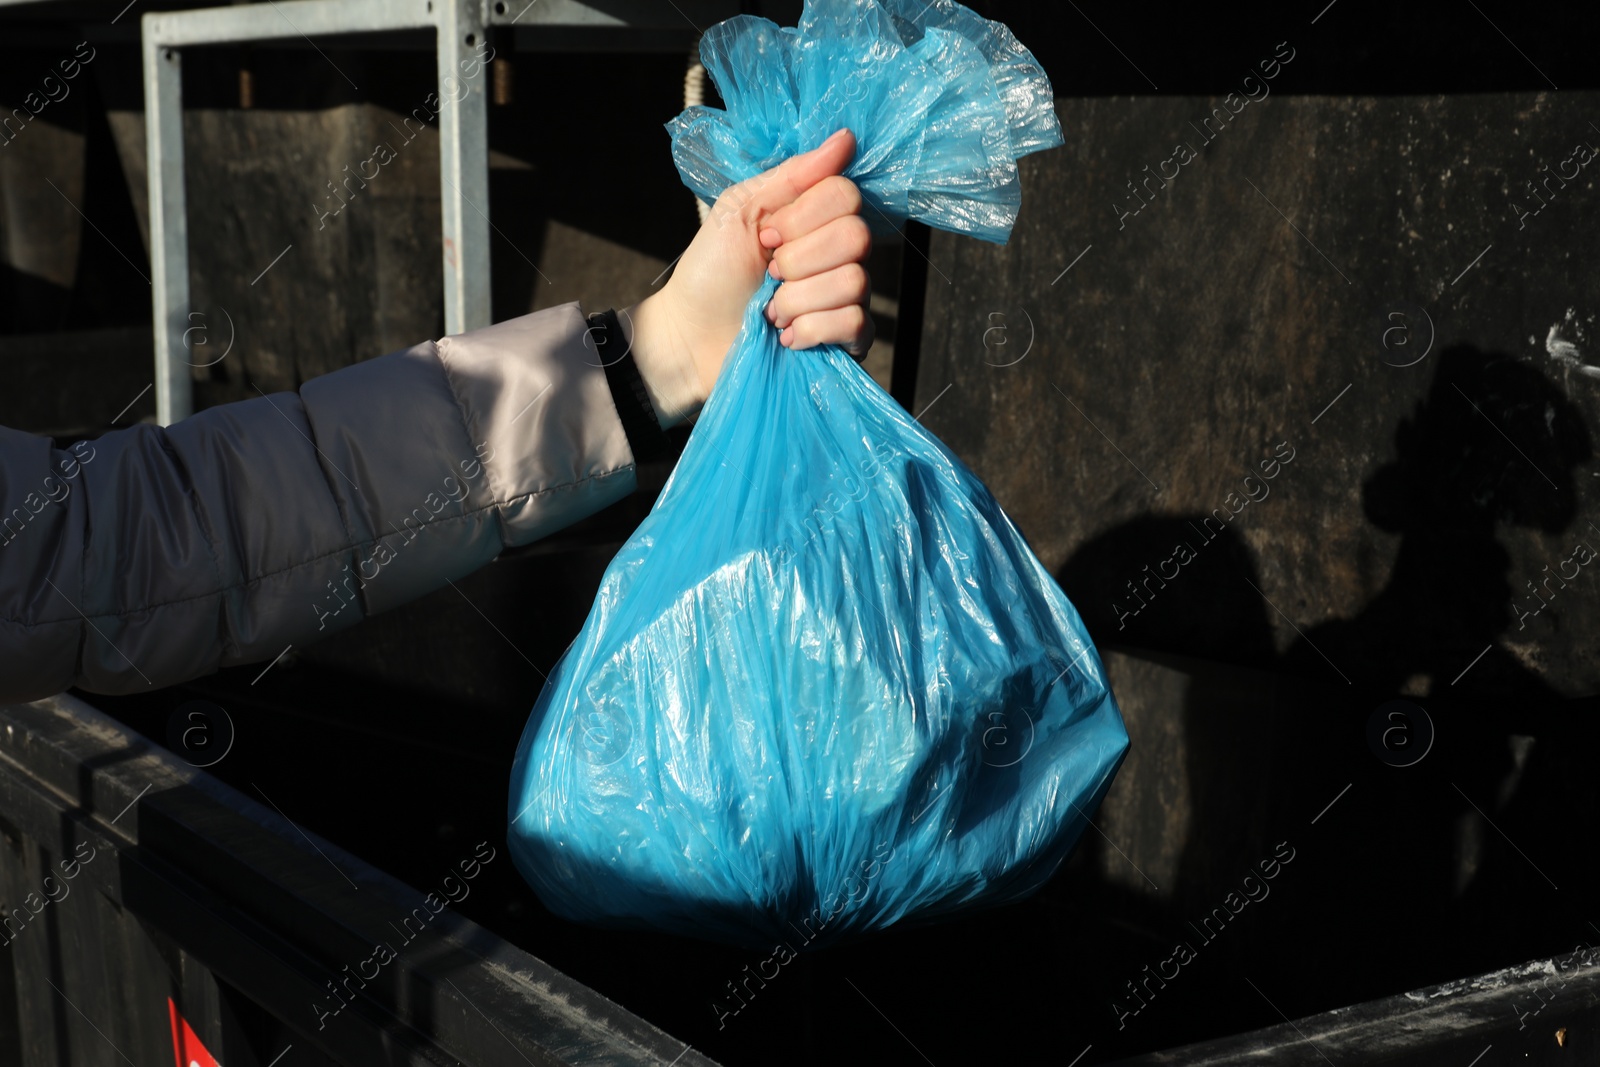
x=148, y=556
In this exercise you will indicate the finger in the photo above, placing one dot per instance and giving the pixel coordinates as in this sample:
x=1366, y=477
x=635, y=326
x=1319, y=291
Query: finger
x=844, y=240
x=837, y=288
x=783, y=184
x=833, y=197
x=848, y=327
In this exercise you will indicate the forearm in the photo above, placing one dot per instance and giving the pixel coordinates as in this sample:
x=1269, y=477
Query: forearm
x=251, y=526
x=651, y=338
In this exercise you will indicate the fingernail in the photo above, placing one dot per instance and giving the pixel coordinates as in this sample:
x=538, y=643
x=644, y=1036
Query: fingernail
x=835, y=135
x=786, y=338
x=771, y=237
x=772, y=269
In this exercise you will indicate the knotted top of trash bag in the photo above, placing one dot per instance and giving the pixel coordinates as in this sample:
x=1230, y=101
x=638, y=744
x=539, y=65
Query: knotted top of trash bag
x=942, y=103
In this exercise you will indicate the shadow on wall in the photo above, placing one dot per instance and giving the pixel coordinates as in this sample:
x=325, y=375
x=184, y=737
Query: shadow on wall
x=1457, y=476
x=1446, y=867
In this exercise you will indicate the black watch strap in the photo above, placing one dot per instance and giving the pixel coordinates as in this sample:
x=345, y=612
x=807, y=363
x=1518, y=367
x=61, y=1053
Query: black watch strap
x=639, y=419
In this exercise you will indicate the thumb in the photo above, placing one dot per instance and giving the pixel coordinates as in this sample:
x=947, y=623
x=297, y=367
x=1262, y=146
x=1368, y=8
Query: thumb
x=781, y=185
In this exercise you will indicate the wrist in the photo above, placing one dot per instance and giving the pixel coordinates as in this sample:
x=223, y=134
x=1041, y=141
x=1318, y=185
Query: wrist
x=670, y=379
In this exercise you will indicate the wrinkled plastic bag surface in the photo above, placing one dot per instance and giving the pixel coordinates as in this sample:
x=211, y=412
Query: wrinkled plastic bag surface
x=826, y=686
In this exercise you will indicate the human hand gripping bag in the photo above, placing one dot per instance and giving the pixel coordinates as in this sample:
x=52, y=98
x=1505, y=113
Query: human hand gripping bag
x=826, y=686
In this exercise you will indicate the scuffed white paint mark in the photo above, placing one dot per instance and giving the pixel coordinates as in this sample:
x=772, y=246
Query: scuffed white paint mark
x=1560, y=349
x=1566, y=352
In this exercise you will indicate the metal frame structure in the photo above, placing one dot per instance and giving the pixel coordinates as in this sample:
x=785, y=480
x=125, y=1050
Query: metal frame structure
x=460, y=26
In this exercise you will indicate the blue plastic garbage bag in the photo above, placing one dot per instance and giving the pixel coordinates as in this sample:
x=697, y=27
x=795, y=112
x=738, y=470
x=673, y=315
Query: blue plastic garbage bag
x=826, y=686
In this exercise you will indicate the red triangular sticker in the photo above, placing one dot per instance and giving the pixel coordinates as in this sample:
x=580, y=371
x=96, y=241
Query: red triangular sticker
x=186, y=1043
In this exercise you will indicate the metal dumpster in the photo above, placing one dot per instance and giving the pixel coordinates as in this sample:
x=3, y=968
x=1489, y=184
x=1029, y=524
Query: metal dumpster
x=139, y=890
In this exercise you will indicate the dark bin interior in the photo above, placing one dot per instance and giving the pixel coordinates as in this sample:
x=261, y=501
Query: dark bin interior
x=395, y=739
x=1362, y=910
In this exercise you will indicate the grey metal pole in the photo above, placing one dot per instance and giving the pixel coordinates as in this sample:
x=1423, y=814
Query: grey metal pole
x=169, y=228
x=464, y=162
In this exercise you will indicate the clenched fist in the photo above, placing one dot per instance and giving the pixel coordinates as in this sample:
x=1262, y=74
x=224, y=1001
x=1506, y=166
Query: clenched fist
x=800, y=222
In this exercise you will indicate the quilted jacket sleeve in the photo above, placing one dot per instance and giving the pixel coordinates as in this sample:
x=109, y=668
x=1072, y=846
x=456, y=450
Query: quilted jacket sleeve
x=151, y=555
